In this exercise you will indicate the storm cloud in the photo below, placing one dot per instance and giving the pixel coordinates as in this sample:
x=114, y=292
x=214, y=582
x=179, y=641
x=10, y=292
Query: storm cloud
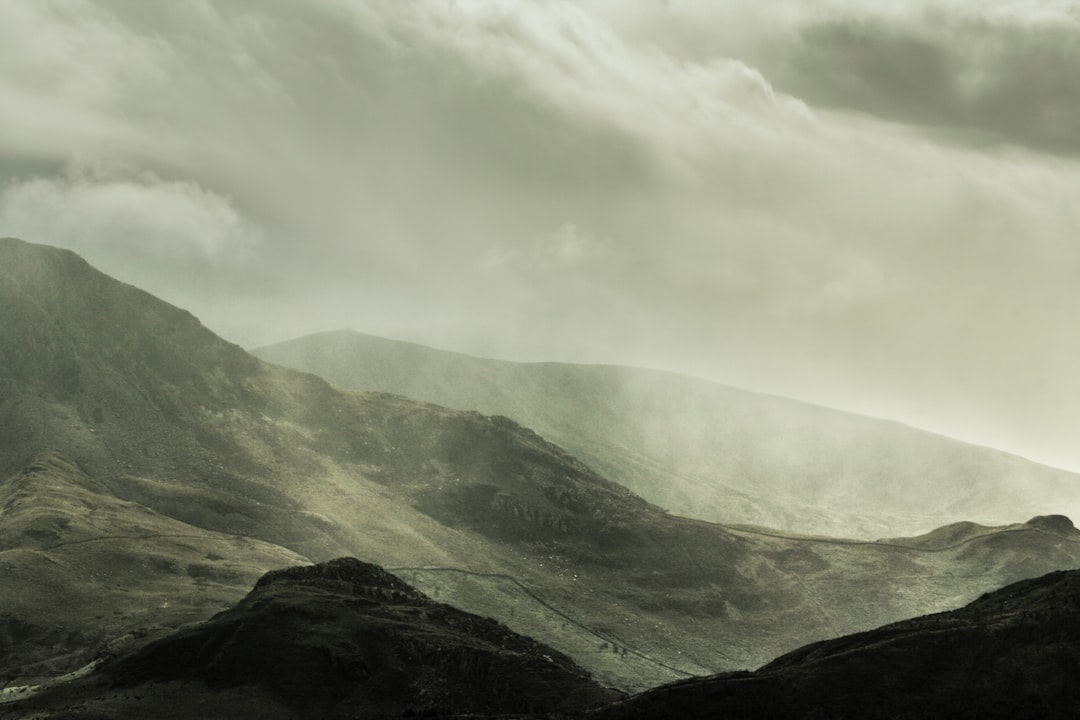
x=865, y=205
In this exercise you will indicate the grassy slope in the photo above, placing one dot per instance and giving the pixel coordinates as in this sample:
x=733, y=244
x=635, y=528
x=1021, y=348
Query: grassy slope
x=161, y=414
x=85, y=572
x=708, y=451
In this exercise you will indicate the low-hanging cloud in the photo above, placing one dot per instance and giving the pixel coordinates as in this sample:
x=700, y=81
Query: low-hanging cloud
x=91, y=207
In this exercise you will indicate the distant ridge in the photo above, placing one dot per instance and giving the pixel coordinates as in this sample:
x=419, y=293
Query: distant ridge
x=709, y=451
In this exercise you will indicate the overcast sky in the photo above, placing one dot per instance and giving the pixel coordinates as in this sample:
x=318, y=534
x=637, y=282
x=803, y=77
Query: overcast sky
x=867, y=204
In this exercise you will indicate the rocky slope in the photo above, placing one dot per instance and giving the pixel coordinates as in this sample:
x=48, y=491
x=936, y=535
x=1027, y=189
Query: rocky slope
x=708, y=451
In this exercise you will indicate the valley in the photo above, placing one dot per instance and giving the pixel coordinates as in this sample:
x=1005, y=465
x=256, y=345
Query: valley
x=152, y=471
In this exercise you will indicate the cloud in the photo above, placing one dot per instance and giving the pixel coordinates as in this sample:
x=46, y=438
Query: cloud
x=998, y=71
x=844, y=201
x=1009, y=77
x=93, y=206
x=67, y=65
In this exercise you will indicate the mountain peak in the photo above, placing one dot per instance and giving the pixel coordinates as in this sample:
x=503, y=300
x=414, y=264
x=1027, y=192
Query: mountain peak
x=300, y=642
x=345, y=575
x=1052, y=523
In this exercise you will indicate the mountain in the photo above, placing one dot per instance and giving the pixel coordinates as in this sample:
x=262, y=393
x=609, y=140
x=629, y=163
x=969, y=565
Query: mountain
x=708, y=451
x=1011, y=654
x=149, y=470
x=342, y=639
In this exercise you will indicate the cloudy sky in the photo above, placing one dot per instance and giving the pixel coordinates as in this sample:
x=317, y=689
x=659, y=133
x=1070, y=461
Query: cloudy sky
x=867, y=204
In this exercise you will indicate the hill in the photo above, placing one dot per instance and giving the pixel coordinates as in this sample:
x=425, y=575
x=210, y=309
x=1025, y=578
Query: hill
x=710, y=451
x=207, y=466
x=341, y=639
x=346, y=639
x=1013, y=653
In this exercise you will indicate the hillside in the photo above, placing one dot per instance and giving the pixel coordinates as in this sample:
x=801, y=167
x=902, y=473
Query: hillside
x=112, y=399
x=709, y=451
x=346, y=639
x=1013, y=653
x=85, y=572
x=342, y=639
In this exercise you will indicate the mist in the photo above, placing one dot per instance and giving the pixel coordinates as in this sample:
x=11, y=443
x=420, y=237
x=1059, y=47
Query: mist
x=864, y=206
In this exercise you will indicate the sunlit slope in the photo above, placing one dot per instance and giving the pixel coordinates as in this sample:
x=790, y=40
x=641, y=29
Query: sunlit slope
x=709, y=451
x=156, y=413
x=85, y=572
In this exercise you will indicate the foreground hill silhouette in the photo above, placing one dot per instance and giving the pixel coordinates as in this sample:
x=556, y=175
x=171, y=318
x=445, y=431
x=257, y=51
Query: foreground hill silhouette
x=709, y=451
x=346, y=639
x=1013, y=653
x=149, y=470
x=342, y=639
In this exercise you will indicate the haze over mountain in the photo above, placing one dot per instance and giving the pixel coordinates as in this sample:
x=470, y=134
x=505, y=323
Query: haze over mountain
x=137, y=448
x=866, y=205
x=708, y=451
x=862, y=205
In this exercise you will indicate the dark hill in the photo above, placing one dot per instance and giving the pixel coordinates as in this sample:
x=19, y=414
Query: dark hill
x=1013, y=653
x=342, y=639
x=704, y=450
x=176, y=432
x=346, y=639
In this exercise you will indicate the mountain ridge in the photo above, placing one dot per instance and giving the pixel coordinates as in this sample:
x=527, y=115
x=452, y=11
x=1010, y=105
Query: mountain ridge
x=714, y=452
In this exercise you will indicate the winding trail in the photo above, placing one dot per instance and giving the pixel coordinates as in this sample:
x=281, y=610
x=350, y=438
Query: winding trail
x=529, y=592
x=460, y=571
